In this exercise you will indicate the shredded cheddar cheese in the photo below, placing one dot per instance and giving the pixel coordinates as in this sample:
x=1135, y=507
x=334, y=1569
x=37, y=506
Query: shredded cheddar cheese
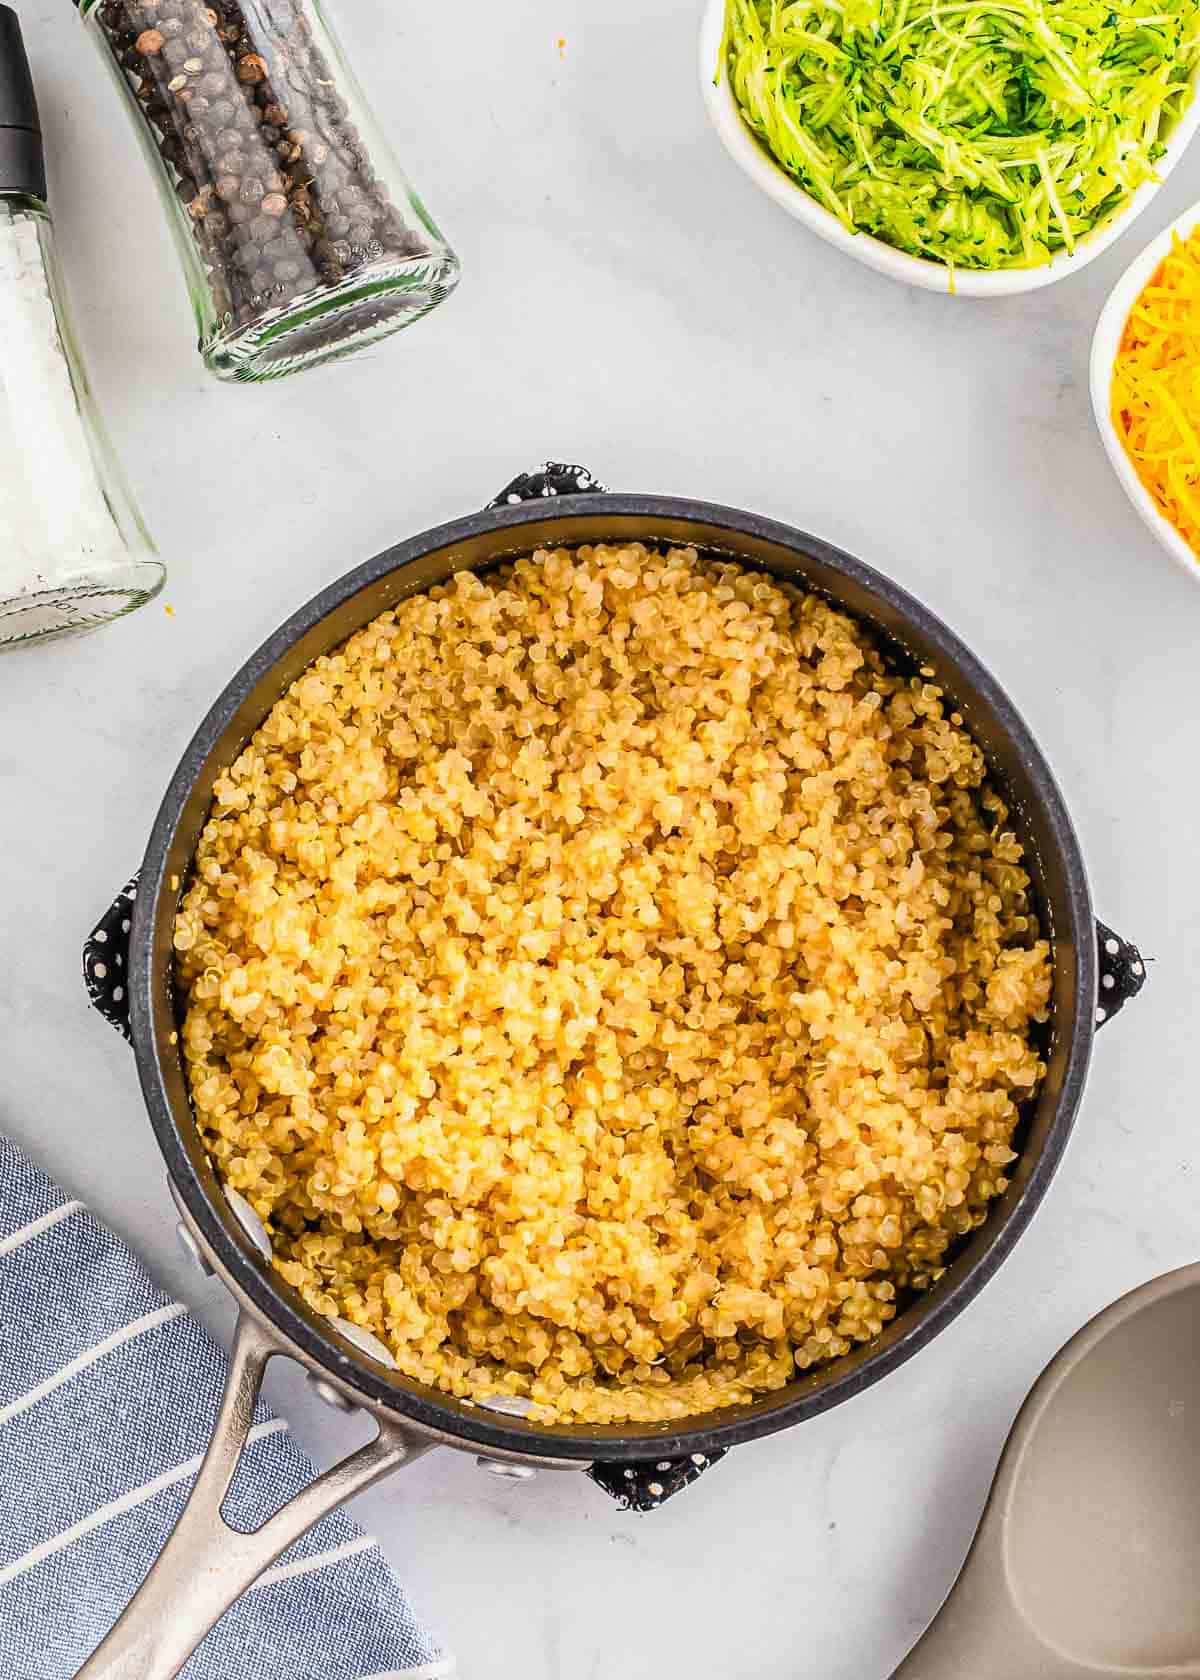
x=1156, y=387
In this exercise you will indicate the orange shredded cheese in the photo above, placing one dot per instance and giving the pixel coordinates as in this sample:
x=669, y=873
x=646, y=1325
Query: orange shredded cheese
x=1156, y=387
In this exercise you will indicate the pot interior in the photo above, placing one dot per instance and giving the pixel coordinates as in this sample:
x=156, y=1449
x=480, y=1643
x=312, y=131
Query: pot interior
x=914, y=638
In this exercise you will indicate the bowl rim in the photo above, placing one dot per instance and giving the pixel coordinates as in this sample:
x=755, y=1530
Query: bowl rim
x=1106, y=340
x=755, y=161
x=968, y=1273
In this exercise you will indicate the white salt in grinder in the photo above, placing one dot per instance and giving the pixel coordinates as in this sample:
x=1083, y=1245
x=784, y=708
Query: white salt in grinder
x=73, y=550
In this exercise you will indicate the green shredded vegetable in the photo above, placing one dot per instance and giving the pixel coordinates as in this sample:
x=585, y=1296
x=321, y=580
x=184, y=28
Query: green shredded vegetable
x=978, y=133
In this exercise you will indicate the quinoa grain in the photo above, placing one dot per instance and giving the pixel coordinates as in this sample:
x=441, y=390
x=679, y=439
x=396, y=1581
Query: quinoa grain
x=611, y=983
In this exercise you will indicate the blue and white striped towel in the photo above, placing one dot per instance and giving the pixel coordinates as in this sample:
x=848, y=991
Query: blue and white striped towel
x=107, y=1393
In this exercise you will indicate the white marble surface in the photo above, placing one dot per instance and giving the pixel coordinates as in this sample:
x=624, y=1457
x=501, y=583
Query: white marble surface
x=629, y=302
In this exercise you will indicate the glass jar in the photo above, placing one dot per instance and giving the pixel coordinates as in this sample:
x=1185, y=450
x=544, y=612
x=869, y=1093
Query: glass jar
x=301, y=238
x=73, y=550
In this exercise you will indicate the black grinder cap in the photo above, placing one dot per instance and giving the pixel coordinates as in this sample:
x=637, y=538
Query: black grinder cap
x=22, y=160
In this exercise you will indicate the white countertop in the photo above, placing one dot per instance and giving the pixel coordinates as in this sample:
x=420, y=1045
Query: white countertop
x=629, y=302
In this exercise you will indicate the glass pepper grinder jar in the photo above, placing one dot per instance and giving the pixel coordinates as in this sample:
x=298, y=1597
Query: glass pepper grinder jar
x=300, y=237
x=73, y=550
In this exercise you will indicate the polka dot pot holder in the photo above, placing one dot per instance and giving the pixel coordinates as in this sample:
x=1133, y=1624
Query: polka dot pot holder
x=645, y=1485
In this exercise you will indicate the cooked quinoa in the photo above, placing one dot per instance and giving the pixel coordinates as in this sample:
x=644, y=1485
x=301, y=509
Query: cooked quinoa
x=612, y=984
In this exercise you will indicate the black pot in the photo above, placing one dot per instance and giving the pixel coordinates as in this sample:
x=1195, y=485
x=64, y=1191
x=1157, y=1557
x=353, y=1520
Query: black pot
x=276, y=1319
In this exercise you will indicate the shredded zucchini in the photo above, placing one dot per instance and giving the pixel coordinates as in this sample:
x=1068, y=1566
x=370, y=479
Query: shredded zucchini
x=978, y=133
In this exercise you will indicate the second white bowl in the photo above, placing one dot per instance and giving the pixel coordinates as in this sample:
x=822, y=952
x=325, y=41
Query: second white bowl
x=1105, y=342
x=761, y=167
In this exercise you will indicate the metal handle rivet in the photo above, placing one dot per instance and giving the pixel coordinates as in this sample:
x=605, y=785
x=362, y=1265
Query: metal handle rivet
x=194, y=1252
x=509, y=1472
x=330, y=1395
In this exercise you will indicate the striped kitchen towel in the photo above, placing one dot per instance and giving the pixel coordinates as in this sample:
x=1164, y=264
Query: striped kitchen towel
x=107, y=1394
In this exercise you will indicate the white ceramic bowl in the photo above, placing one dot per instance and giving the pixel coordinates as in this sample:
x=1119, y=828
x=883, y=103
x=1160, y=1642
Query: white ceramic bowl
x=1105, y=342
x=762, y=169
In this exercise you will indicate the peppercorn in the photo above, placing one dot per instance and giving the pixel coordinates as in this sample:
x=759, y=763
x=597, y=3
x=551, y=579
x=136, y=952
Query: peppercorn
x=252, y=68
x=151, y=41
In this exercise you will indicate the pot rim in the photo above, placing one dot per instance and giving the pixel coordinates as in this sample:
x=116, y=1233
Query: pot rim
x=476, y=1425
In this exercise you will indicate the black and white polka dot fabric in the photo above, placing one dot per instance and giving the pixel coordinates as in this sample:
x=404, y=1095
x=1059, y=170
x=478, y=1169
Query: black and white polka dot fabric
x=1122, y=974
x=644, y=1487
x=553, y=478
x=105, y=957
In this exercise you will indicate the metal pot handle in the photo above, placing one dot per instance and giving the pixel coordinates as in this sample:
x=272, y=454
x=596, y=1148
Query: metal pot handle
x=206, y=1565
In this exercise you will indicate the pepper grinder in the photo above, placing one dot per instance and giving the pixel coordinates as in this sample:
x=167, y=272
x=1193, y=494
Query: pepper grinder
x=302, y=239
x=73, y=550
